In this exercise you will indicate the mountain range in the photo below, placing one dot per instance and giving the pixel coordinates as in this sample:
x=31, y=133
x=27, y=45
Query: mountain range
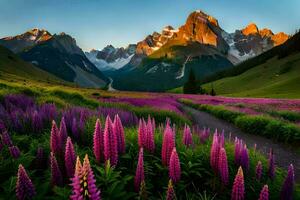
x=160, y=62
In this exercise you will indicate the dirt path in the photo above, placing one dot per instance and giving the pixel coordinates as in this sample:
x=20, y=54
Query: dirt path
x=284, y=155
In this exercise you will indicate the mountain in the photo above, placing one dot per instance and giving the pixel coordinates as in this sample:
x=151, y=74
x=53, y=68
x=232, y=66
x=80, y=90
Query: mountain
x=274, y=73
x=57, y=54
x=111, y=58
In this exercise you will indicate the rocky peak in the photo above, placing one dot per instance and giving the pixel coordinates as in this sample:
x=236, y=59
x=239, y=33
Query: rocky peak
x=66, y=43
x=251, y=29
x=266, y=32
x=280, y=38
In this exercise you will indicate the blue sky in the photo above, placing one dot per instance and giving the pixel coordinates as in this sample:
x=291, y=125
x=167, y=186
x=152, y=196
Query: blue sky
x=96, y=23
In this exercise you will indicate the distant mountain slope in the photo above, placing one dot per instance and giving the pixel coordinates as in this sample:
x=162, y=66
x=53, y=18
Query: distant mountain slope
x=13, y=65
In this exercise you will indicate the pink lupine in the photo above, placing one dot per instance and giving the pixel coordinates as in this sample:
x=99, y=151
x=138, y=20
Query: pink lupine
x=62, y=134
x=214, y=153
x=77, y=189
x=288, y=185
x=222, y=139
x=149, y=136
x=238, y=146
x=245, y=158
x=89, y=182
x=271, y=165
x=238, y=190
x=258, y=170
x=187, y=136
x=141, y=133
x=174, y=167
x=54, y=139
x=153, y=125
x=110, y=143
x=264, y=194
x=24, y=187
x=170, y=193
x=98, y=141
x=70, y=158
x=56, y=176
x=223, y=166
x=139, y=174
x=119, y=132
x=168, y=145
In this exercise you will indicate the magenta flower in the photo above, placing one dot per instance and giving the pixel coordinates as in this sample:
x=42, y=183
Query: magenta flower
x=110, y=143
x=271, y=165
x=238, y=146
x=56, y=176
x=139, y=174
x=174, y=167
x=288, y=185
x=223, y=166
x=54, y=139
x=141, y=133
x=264, y=194
x=258, y=170
x=119, y=132
x=98, y=141
x=70, y=158
x=14, y=152
x=214, y=153
x=187, y=136
x=148, y=135
x=24, y=187
x=168, y=145
x=222, y=139
x=245, y=158
x=63, y=134
x=170, y=193
x=77, y=190
x=238, y=190
x=153, y=125
x=89, y=182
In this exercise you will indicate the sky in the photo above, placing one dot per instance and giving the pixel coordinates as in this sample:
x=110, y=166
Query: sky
x=97, y=23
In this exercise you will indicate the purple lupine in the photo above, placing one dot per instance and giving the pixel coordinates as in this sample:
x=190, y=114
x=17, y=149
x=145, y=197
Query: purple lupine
x=238, y=189
x=264, y=194
x=223, y=166
x=110, y=143
x=6, y=139
x=168, y=145
x=288, y=185
x=187, y=136
x=214, y=153
x=170, y=193
x=98, y=141
x=119, y=132
x=89, y=182
x=37, y=123
x=77, y=190
x=54, y=139
x=139, y=174
x=174, y=167
x=24, y=187
x=238, y=145
x=70, y=158
x=271, y=165
x=245, y=158
x=258, y=170
x=56, y=176
x=74, y=129
x=14, y=152
x=63, y=134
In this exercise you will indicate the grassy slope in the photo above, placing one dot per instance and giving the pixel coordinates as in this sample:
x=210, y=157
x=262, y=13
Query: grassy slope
x=275, y=78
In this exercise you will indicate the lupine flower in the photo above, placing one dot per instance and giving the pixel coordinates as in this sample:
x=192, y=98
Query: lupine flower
x=98, y=141
x=139, y=174
x=238, y=190
x=141, y=133
x=258, y=170
x=37, y=123
x=214, y=153
x=110, y=143
x=119, y=132
x=288, y=185
x=89, y=181
x=238, y=145
x=14, y=152
x=153, y=125
x=222, y=139
x=168, y=145
x=2, y=126
x=174, y=167
x=24, y=187
x=63, y=134
x=271, y=162
x=54, y=140
x=264, y=194
x=74, y=128
x=148, y=136
x=223, y=166
x=245, y=159
x=187, y=136
x=70, y=157
x=170, y=193
x=6, y=139
x=77, y=190
x=56, y=176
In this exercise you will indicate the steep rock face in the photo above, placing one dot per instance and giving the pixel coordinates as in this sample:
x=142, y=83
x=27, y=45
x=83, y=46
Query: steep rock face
x=25, y=40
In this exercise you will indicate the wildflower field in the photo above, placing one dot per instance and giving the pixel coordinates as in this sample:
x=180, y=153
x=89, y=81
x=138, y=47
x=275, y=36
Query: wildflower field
x=58, y=144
